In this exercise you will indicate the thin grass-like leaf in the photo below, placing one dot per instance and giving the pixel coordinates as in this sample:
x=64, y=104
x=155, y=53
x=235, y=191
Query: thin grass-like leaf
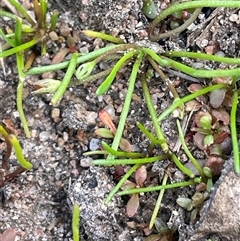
x=19, y=153
x=104, y=36
x=66, y=80
x=127, y=102
x=23, y=11
x=233, y=126
x=108, y=81
x=121, y=153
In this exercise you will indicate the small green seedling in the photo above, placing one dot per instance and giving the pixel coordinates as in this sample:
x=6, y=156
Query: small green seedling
x=76, y=222
x=12, y=141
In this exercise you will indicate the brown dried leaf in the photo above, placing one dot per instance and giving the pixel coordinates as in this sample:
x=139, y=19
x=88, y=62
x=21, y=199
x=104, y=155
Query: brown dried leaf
x=132, y=205
x=192, y=105
x=228, y=99
x=154, y=237
x=212, y=49
x=198, y=139
x=221, y=115
x=125, y=145
x=11, y=127
x=8, y=235
x=223, y=80
x=141, y=175
x=106, y=120
x=158, y=237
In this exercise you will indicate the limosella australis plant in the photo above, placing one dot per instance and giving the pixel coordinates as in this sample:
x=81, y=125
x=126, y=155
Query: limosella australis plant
x=28, y=32
x=143, y=58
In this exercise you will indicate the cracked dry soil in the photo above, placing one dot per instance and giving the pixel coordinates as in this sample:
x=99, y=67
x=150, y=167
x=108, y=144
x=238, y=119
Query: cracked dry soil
x=38, y=202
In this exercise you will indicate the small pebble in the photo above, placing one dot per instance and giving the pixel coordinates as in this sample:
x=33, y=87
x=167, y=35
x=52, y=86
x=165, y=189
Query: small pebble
x=44, y=135
x=94, y=144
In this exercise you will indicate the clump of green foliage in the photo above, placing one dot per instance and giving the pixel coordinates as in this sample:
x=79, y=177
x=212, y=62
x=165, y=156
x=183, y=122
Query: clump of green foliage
x=143, y=59
x=28, y=32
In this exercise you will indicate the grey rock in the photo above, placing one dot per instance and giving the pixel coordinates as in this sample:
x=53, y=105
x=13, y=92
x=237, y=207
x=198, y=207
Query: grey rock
x=220, y=219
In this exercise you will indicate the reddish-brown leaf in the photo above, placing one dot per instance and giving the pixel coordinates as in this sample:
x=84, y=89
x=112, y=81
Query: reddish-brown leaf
x=194, y=88
x=59, y=57
x=220, y=137
x=8, y=235
x=132, y=205
x=106, y=120
x=141, y=175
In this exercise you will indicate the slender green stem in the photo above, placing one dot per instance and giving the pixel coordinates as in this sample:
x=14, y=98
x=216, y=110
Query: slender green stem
x=157, y=188
x=166, y=62
x=9, y=15
x=3, y=132
x=121, y=182
x=97, y=152
x=117, y=162
x=119, y=47
x=22, y=77
x=10, y=41
x=66, y=80
x=43, y=14
x=211, y=57
x=18, y=48
x=121, y=153
x=187, y=98
x=63, y=65
x=158, y=203
x=104, y=36
x=233, y=126
x=126, y=105
x=19, y=153
x=149, y=135
x=76, y=222
x=5, y=135
x=54, y=19
x=153, y=113
x=178, y=30
x=181, y=167
x=163, y=77
x=108, y=81
x=179, y=6
x=188, y=153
